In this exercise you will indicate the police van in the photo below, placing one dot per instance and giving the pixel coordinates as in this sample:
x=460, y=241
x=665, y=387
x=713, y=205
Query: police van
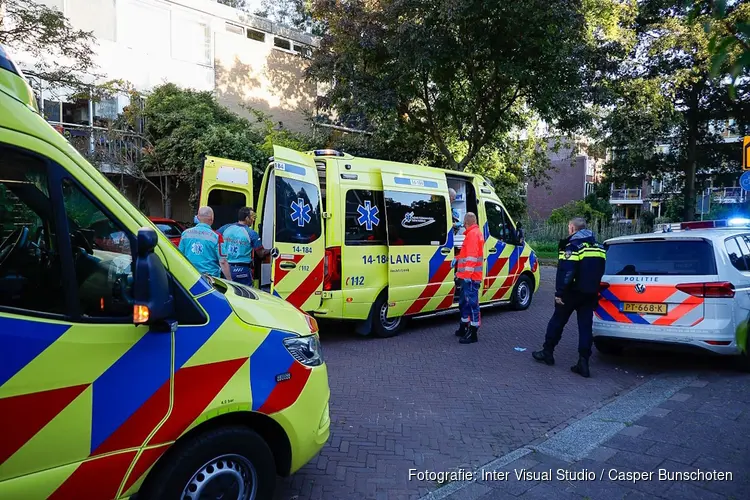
x=371, y=240
x=683, y=288
x=123, y=371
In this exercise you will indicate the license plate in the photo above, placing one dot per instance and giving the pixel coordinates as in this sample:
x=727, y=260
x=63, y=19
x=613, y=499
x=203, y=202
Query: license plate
x=643, y=308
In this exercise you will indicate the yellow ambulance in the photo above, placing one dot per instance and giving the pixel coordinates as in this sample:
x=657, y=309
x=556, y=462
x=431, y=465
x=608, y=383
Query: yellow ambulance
x=123, y=372
x=372, y=241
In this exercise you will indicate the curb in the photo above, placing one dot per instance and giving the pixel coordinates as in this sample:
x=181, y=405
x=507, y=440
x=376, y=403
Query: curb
x=576, y=440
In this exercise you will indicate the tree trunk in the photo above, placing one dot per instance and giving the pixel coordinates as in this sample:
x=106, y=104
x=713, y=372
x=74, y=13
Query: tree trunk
x=692, y=154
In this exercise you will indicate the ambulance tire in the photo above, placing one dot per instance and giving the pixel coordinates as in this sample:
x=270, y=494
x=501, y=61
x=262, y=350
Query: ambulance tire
x=523, y=293
x=381, y=325
x=193, y=463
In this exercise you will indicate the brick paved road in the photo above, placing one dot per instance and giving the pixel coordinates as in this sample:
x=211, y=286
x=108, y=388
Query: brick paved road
x=421, y=400
x=704, y=427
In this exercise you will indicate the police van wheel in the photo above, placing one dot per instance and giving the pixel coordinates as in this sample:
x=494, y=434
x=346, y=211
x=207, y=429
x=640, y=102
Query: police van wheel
x=523, y=293
x=232, y=463
x=384, y=326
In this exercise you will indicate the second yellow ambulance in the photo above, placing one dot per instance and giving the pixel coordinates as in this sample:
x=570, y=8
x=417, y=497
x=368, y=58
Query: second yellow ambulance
x=371, y=240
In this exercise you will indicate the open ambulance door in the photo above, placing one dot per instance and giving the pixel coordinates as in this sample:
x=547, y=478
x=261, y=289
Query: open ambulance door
x=292, y=226
x=420, y=241
x=226, y=186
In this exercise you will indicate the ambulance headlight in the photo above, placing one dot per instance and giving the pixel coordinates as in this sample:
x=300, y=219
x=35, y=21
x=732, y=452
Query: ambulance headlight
x=306, y=350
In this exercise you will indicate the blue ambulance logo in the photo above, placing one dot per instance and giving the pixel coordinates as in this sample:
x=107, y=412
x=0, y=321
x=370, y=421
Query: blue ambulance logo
x=301, y=212
x=368, y=215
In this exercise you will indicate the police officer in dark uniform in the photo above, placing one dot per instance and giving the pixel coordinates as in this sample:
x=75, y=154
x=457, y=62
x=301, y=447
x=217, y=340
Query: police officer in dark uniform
x=579, y=273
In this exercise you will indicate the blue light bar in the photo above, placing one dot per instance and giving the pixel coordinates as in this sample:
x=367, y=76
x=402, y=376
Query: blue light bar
x=327, y=152
x=739, y=221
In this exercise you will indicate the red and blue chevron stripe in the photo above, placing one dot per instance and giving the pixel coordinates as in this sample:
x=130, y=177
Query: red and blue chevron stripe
x=439, y=268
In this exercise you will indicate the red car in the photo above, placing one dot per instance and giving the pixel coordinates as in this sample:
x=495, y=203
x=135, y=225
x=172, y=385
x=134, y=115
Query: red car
x=171, y=228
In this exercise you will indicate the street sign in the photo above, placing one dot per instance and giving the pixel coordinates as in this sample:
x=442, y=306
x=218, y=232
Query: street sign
x=745, y=181
x=746, y=153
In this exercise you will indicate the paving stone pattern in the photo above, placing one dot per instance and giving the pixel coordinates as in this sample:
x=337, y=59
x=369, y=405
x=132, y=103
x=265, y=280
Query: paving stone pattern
x=421, y=400
x=704, y=427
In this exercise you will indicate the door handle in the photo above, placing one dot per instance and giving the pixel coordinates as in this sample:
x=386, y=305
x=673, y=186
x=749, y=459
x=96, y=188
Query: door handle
x=287, y=265
x=445, y=251
x=492, y=250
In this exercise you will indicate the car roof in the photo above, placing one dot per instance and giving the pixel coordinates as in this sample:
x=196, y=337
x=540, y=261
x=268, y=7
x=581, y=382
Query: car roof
x=708, y=234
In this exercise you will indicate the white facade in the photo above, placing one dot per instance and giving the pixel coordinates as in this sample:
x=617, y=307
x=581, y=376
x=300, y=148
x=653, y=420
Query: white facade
x=151, y=42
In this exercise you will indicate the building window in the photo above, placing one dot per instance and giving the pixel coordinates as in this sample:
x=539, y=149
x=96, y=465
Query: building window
x=256, y=35
x=191, y=40
x=303, y=50
x=282, y=43
x=233, y=28
x=98, y=16
x=52, y=111
x=145, y=28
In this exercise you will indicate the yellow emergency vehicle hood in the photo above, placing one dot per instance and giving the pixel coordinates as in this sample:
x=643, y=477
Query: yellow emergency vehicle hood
x=259, y=308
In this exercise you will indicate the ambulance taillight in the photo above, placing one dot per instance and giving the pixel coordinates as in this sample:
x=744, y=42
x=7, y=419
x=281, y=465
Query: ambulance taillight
x=332, y=269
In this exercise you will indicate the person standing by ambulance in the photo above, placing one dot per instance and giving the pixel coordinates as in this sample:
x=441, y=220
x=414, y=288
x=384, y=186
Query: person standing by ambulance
x=580, y=269
x=456, y=216
x=469, y=267
x=242, y=244
x=202, y=246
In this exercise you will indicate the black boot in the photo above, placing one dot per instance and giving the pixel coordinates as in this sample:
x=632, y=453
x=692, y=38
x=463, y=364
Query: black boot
x=582, y=368
x=544, y=357
x=470, y=337
x=462, y=329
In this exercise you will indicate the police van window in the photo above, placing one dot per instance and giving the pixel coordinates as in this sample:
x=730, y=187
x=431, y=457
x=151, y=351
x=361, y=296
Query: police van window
x=30, y=267
x=365, y=218
x=298, y=217
x=661, y=258
x=742, y=242
x=101, y=256
x=498, y=221
x=738, y=252
x=416, y=219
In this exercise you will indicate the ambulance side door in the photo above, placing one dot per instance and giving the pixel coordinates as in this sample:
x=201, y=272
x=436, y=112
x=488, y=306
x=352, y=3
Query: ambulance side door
x=74, y=369
x=226, y=186
x=501, y=255
x=420, y=242
x=297, y=257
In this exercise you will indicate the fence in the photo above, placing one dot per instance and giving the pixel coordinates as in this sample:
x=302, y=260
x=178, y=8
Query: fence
x=546, y=232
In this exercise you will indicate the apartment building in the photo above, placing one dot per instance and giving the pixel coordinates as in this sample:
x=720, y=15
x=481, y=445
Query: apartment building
x=573, y=176
x=247, y=61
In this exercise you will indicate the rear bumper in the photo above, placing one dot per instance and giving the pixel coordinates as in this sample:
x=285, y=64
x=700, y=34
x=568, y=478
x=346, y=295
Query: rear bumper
x=690, y=339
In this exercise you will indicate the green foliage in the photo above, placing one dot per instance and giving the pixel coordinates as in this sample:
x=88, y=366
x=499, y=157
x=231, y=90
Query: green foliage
x=463, y=75
x=574, y=209
x=599, y=201
x=648, y=219
x=673, y=93
x=62, y=53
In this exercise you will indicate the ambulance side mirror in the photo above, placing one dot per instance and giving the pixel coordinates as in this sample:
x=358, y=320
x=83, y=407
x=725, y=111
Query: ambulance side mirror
x=152, y=301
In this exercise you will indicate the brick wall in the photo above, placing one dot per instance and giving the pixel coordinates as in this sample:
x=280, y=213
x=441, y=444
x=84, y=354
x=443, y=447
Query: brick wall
x=565, y=185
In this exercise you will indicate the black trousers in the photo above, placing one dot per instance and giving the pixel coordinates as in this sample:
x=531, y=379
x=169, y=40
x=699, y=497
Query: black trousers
x=583, y=305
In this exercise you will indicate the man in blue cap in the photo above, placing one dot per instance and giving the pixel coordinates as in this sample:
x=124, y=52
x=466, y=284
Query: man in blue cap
x=202, y=246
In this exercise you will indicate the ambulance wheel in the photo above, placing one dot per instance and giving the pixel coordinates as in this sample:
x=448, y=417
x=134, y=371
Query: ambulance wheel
x=232, y=463
x=383, y=326
x=522, y=293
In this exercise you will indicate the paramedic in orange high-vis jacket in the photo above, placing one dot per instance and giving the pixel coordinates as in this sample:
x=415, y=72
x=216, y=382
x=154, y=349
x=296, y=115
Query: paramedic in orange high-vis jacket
x=469, y=265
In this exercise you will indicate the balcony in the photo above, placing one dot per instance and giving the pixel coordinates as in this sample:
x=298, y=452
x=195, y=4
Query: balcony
x=626, y=197
x=111, y=151
x=727, y=196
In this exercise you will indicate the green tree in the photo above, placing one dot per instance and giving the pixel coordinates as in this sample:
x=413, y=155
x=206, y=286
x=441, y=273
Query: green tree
x=462, y=75
x=296, y=14
x=669, y=106
x=64, y=55
x=575, y=209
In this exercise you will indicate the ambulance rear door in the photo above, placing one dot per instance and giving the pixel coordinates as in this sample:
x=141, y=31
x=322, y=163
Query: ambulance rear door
x=420, y=242
x=293, y=207
x=226, y=186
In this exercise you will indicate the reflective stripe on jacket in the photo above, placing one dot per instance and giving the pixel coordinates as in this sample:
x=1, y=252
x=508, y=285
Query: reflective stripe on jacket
x=580, y=265
x=470, y=262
